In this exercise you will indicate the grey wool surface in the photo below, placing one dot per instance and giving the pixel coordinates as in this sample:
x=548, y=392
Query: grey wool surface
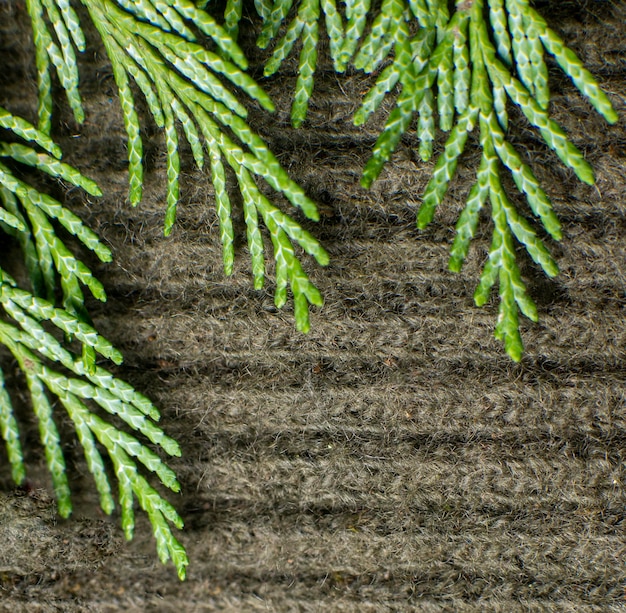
x=393, y=459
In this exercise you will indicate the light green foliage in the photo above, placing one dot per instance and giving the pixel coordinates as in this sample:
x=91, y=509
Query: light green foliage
x=56, y=377
x=304, y=25
x=461, y=69
x=29, y=215
x=153, y=45
x=61, y=55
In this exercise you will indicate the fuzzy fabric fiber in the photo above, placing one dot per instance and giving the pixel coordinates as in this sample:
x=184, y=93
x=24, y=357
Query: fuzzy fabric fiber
x=393, y=459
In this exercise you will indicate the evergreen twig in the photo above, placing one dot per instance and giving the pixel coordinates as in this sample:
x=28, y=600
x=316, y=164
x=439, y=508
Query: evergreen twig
x=461, y=69
x=55, y=375
x=154, y=44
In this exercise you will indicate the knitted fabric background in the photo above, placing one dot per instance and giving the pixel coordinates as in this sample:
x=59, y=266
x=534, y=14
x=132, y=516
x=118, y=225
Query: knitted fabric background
x=393, y=459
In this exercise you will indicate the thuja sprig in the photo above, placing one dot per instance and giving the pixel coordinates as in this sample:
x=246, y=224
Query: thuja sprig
x=30, y=215
x=166, y=63
x=32, y=347
x=457, y=69
x=305, y=26
x=60, y=53
x=345, y=31
x=463, y=68
x=56, y=376
x=154, y=44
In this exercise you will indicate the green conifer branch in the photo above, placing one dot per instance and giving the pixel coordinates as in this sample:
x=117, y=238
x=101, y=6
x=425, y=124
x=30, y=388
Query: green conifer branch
x=305, y=26
x=486, y=53
x=152, y=44
x=55, y=375
x=33, y=348
x=458, y=68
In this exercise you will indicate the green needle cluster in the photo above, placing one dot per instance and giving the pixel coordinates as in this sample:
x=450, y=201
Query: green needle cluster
x=154, y=49
x=43, y=338
x=460, y=70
